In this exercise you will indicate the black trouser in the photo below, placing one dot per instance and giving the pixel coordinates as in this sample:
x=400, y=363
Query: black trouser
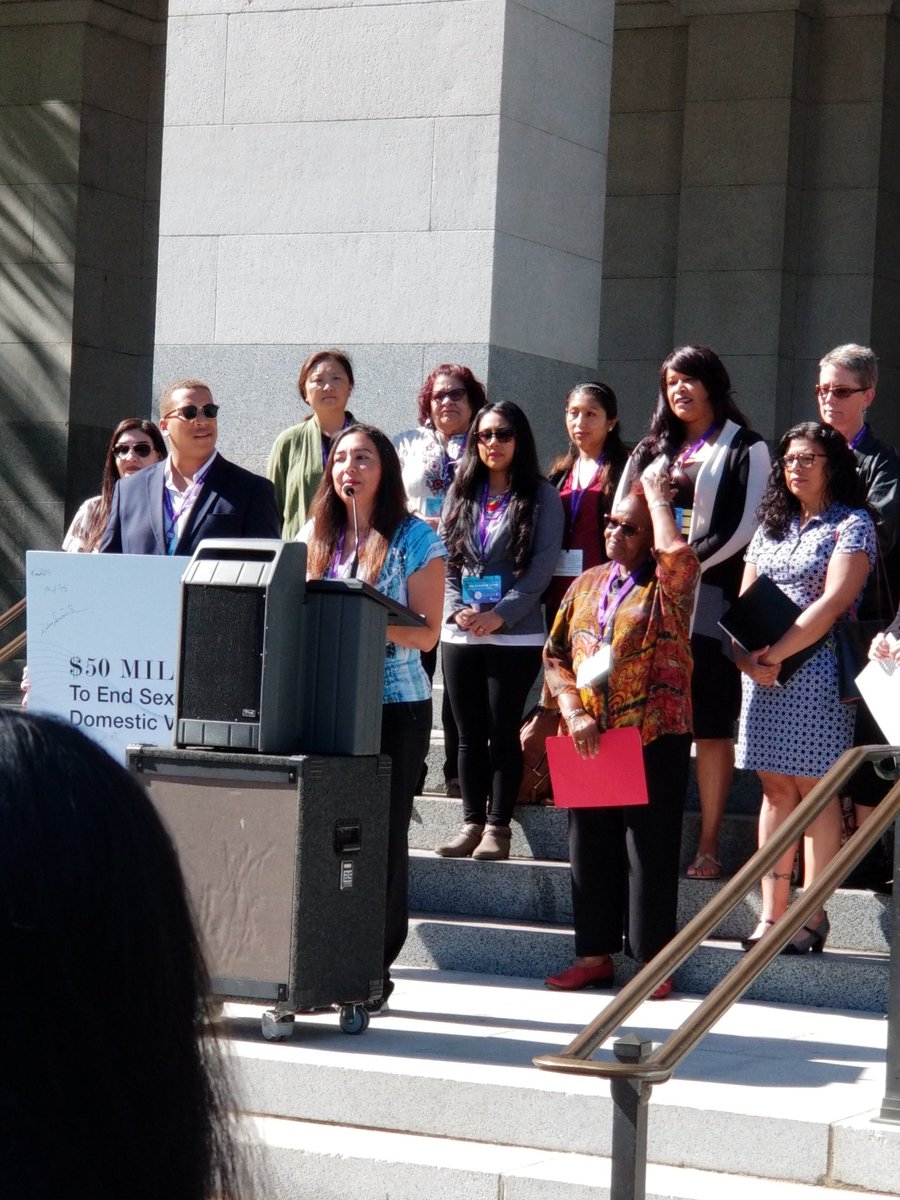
x=625, y=861
x=488, y=687
x=405, y=733
x=451, y=733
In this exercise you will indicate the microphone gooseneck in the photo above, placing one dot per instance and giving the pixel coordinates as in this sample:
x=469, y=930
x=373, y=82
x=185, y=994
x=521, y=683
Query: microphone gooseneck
x=348, y=490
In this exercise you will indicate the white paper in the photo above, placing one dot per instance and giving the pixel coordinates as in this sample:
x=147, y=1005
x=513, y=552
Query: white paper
x=879, y=683
x=103, y=634
x=570, y=563
x=594, y=670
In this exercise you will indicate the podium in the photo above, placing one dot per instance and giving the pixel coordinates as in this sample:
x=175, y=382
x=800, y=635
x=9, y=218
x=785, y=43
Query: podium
x=273, y=664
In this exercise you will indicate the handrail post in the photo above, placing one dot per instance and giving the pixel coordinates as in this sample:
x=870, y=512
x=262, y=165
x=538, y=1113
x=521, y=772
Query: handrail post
x=630, y=1099
x=890, y=1105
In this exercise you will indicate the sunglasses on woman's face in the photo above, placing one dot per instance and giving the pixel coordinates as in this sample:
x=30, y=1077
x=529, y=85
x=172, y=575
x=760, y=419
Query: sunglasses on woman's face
x=141, y=449
x=486, y=436
x=612, y=524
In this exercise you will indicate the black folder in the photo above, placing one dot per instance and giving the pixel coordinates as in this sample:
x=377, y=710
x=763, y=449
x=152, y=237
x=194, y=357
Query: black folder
x=760, y=616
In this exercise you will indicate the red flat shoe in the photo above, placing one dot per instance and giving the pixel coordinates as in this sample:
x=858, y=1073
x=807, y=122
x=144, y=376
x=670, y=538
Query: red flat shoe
x=576, y=977
x=663, y=991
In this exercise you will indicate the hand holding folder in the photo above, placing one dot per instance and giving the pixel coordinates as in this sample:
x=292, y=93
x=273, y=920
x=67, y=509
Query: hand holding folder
x=759, y=617
x=614, y=777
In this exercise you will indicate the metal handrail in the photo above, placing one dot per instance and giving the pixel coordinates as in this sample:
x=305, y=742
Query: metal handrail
x=661, y=1062
x=11, y=613
x=16, y=645
x=13, y=648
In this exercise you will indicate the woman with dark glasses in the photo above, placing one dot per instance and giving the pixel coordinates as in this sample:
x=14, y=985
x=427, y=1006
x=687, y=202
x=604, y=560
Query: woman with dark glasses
x=502, y=524
x=619, y=655
x=135, y=444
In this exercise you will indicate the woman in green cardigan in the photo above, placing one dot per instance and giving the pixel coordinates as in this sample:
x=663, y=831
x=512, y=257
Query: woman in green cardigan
x=298, y=458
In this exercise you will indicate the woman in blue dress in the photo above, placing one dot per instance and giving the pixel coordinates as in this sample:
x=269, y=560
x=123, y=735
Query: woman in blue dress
x=816, y=541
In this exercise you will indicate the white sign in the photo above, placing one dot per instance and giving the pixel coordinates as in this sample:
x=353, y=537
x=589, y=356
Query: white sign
x=879, y=684
x=103, y=643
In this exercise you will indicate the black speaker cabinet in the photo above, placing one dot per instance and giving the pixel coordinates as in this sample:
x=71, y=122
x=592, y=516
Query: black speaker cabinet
x=238, y=680
x=286, y=864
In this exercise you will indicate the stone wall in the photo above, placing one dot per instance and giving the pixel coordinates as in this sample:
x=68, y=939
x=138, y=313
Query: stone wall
x=413, y=182
x=754, y=197
x=80, y=102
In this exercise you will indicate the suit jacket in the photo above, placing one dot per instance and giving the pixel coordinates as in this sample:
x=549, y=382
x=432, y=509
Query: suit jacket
x=233, y=503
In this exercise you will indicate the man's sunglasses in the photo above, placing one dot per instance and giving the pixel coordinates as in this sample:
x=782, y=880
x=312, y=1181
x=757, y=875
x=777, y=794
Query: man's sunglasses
x=191, y=411
x=141, y=449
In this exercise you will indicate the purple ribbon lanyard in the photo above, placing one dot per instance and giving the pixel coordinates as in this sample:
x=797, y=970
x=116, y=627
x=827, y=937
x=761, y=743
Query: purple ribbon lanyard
x=608, y=604
x=576, y=495
x=173, y=516
x=685, y=456
x=487, y=521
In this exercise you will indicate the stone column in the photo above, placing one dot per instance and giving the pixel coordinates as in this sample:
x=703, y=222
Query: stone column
x=77, y=161
x=411, y=182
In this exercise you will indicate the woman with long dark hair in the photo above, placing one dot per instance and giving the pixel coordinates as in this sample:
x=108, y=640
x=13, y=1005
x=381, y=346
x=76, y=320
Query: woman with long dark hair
x=502, y=525
x=816, y=541
x=135, y=444
x=586, y=476
x=403, y=558
x=719, y=468
x=120, y=1092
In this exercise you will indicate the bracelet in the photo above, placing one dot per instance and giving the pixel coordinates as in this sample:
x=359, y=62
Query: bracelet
x=576, y=712
x=660, y=504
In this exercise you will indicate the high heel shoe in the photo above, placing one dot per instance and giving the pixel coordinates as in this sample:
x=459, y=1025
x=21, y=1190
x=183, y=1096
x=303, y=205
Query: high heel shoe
x=810, y=939
x=748, y=943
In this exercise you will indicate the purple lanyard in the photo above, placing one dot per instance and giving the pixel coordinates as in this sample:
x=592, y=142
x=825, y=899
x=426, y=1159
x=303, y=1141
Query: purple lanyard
x=858, y=438
x=685, y=456
x=173, y=515
x=576, y=495
x=337, y=569
x=487, y=520
x=608, y=605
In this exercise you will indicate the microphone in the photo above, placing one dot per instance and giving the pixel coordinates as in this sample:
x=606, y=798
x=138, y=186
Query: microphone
x=347, y=490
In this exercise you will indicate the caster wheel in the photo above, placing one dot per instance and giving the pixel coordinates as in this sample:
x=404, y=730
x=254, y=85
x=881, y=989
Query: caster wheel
x=276, y=1026
x=353, y=1019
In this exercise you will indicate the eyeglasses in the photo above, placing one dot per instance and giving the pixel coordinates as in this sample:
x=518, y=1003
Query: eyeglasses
x=613, y=524
x=839, y=393
x=141, y=449
x=454, y=394
x=191, y=411
x=806, y=460
x=486, y=436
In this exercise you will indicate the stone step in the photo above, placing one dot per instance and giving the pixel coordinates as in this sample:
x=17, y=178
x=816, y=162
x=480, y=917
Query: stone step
x=304, y=1160
x=531, y=890
x=773, y=1093
x=856, y=981
x=541, y=832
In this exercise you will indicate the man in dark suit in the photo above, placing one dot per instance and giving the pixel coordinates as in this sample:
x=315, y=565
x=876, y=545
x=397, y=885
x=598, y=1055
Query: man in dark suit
x=195, y=493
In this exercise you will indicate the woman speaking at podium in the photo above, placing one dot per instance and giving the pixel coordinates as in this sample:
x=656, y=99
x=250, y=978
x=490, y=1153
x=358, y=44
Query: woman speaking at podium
x=362, y=528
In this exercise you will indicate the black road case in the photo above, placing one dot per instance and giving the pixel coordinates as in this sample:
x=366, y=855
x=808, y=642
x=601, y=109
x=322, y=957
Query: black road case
x=285, y=860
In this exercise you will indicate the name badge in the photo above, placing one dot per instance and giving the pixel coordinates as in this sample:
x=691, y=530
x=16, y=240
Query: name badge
x=683, y=518
x=481, y=589
x=595, y=669
x=433, y=506
x=570, y=563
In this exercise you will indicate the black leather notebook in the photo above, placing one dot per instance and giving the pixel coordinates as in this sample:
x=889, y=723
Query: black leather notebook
x=760, y=616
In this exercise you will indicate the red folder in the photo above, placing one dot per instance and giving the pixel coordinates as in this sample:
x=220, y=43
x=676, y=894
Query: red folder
x=614, y=777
